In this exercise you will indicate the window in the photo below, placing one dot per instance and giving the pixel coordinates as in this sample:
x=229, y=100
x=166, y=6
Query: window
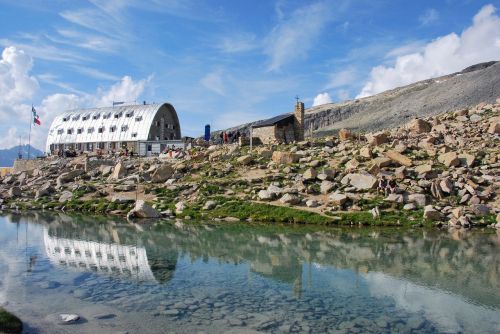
x=85, y=117
x=90, y=130
x=112, y=129
x=66, y=118
x=124, y=128
x=134, y=135
x=129, y=114
x=106, y=116
x=79, y=131
x=60, y=131
x=118, y=114
x=138, y=118
x=70, y=131
x=96, y=116
x=76, y=118
x=101, y=129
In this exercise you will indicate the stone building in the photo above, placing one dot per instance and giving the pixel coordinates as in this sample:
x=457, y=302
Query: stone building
x=284, y=128
x=143, y=129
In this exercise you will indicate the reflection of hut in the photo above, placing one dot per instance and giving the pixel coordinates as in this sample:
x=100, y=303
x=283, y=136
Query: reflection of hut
x=121, y=260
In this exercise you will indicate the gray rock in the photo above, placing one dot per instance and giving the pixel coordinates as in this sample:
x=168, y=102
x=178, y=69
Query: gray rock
x=14, y=191
x=431, y=213
x=290, y=199
x=209, y=205
x=162, y=173
x=360, y=181
x=143, y=210
x=69, y=318
x=337, y=199
x=480, y=209
x=265, y=195
x=65, y=196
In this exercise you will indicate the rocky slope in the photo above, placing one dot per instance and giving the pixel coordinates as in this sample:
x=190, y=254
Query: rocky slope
x=447, y=170
x=475, y=84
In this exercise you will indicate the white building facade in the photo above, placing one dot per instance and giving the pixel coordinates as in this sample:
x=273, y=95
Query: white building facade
x=143, y=129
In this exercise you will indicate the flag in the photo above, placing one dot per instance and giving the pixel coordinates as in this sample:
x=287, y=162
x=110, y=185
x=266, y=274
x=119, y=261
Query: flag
x=36, y=118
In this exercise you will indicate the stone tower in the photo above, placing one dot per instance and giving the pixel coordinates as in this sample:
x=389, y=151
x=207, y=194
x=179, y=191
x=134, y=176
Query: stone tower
x=298, y=124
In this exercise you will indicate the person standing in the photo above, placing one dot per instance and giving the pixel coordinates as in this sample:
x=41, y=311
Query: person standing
x=225, y=137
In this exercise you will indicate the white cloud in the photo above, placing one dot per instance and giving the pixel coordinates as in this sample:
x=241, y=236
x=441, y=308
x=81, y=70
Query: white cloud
x=17, y=88
x=322, y=98
x=345, y=77
x=213, y=81
x=291, y=39
x=446, y=54
x=15, y=82
x=430, y=16
x=241, y=42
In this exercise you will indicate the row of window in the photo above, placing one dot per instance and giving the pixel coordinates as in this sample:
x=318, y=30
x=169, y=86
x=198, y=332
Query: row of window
x=100, y=129
x=117, y=115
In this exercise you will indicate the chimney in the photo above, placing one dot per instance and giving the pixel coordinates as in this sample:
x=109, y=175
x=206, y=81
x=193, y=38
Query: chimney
x=299, y=121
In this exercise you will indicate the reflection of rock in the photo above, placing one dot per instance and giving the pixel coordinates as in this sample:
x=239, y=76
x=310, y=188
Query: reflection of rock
x=128, y=261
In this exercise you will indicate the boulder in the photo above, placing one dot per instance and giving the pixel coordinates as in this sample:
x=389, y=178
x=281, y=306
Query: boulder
x=447, y=185
x=376, y=139
x=419, y=199
x=409, y=206
x=494, y=128
x=326, y=186
x=143, y=210
x=119, y=171
x=68, y=176
x=418, y=126
x=399, y=158
x=14, y=191
x=45, y=190
x=121, y=199
x=265, y=195
x=480, y=209
x=466, y=159
x=310, y=174
x=311, y=203
x=351, y=164
x=179, y=207
x=381, y=162
x=431, y=214
x=162, y=173
x=345, y=134
x=360, y=181
x=285, y=157
x=449, y=159
x=366, y=152
x=425, y=168
x=327, y=174
x=396, y=198
x=274, y=190
x=65, y=196
x=209, y=205
x=245, y=160
x=337, y=199
x=290, y=199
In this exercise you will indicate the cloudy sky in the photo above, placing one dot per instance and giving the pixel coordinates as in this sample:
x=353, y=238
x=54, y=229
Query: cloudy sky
x=226, y=62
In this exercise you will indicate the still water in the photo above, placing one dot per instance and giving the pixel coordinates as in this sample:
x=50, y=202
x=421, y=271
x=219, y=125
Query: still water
x=178, y=278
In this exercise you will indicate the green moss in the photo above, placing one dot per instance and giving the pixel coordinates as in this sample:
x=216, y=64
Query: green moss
x=387, y=218
x=9, y=323
x=265, y=213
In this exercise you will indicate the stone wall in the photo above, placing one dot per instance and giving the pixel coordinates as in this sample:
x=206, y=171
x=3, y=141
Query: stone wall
x=266, y=134
x=26, y=165
x=285, y=134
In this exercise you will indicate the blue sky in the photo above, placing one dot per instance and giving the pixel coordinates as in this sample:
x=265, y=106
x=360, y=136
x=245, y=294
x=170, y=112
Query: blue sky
x=226, y=62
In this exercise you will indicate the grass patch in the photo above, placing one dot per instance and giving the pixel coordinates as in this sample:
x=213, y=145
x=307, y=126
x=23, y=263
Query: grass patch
x=261, y=212
x=9, y=323
x=387, y=218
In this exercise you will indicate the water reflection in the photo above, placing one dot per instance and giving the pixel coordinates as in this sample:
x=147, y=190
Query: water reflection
x=449, y=279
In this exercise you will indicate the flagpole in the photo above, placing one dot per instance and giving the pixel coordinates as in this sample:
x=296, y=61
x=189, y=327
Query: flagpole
x=29, y=136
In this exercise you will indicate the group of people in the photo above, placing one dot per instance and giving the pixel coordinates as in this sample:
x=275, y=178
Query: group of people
x=229, y=137
x=387, y=186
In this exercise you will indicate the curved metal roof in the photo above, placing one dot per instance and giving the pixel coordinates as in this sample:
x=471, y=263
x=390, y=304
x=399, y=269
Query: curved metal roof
x=108, y=124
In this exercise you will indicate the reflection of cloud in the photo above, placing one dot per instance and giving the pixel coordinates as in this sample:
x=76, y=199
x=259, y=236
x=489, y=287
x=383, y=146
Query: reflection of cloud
x=448, y=312
x=128, y=261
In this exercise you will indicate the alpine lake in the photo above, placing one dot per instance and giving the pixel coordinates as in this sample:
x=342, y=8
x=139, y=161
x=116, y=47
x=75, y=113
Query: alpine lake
x=173, y=277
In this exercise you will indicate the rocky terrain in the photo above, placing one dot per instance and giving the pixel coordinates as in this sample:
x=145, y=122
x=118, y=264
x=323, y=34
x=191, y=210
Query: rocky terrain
x=447, y=170
x=475, y=84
